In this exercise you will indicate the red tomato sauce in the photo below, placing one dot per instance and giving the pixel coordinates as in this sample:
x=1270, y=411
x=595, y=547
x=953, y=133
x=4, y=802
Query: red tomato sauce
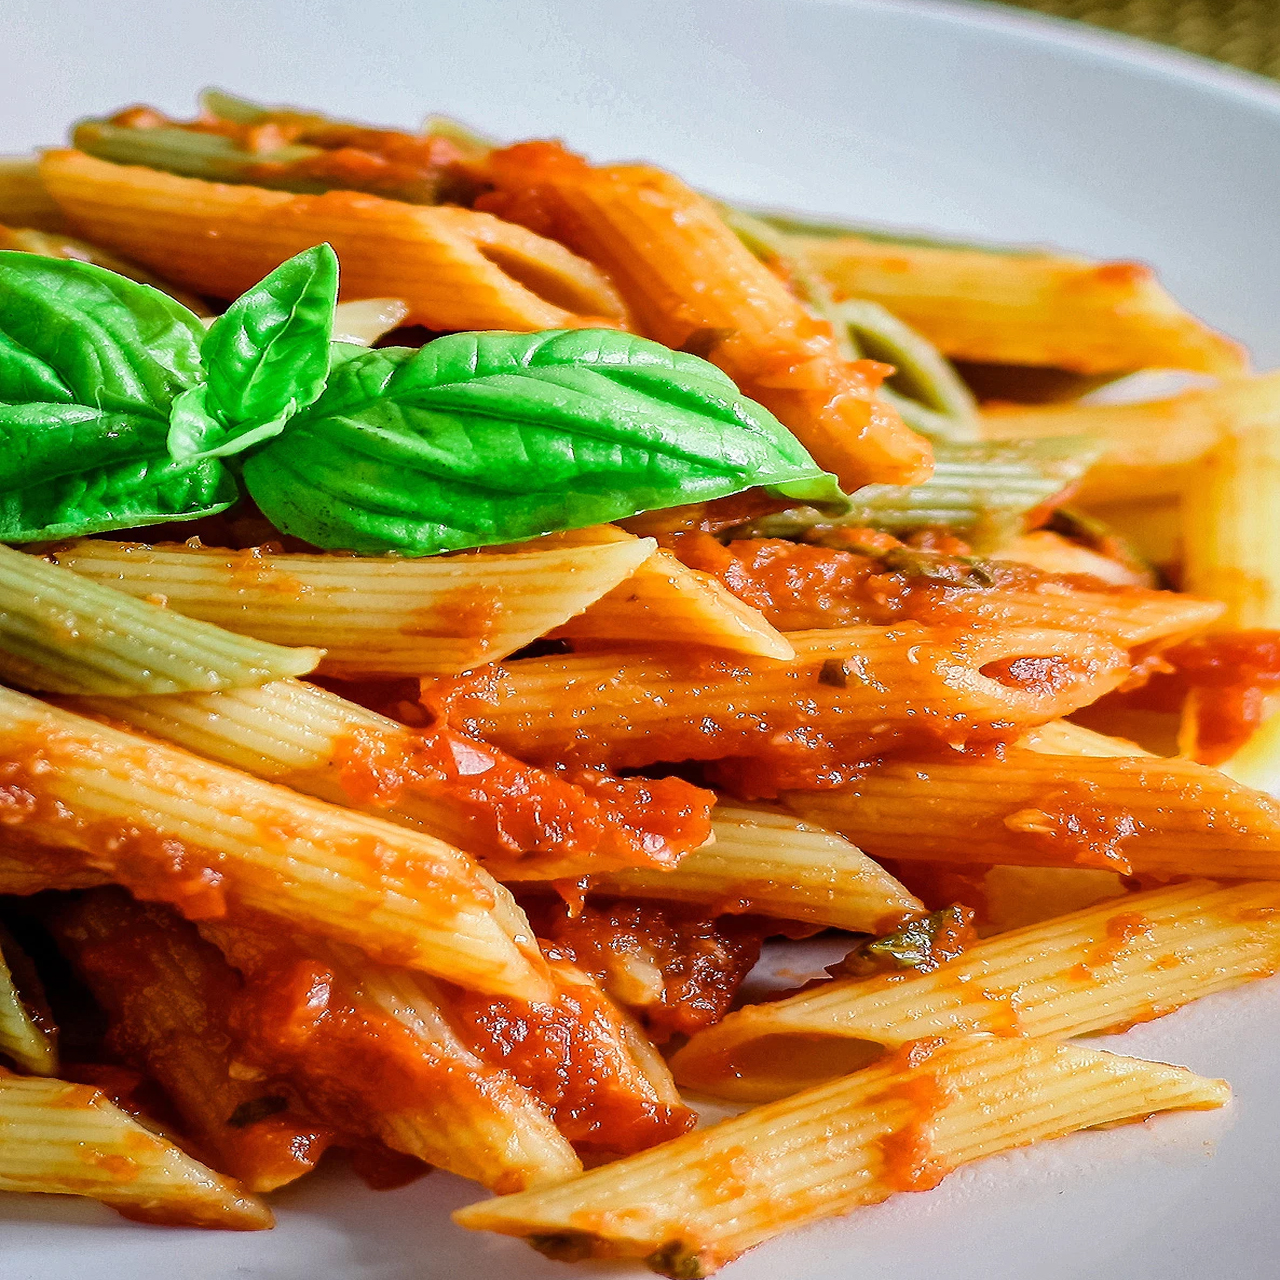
x=676, y=968
x=574, y=1053
x=1229, y=675
x=514, y=810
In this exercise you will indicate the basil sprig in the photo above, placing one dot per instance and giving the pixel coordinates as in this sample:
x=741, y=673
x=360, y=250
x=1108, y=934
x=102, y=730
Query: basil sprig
x=118, y=409
x=115, y=402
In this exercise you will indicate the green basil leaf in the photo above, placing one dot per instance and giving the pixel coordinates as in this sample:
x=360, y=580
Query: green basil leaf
x=267, y=356
x=72, y=469
x=75, y=333
x=195, y=433
x=481, y=438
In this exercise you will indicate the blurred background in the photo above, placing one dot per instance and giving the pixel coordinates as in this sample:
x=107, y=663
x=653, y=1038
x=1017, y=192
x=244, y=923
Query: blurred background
x=1245, y=33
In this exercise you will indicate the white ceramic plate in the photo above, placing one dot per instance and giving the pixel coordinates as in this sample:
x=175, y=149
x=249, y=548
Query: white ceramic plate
x=964, y=119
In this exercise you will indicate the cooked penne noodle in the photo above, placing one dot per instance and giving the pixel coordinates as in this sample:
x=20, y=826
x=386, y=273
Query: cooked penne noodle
x=386, y=1061
x=1018, y=896
x=1153, y=448
x=453, y=268
x=1228, y=548
x=68, y=1139
x=363, y=322
x=209, y=839
x=635, y=712
x=50, y=245
x=690, y=1206
x=1102, y=968
x=379, y=616
x=666, y=603
x=24, y=201
x=1152, y=528
x=1052, y=553
x=694, y=285
x=170, y=999
x=26, y=1041
x=1257, y=763
x=62, y=633
x=519, y=820
x=984, y=491
x=1024, y=307
x=767, y=862
x=1139, y=814
x=20, y=876
x=800, y=586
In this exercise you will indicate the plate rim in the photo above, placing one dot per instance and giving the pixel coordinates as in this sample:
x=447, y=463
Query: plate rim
x=1115, y=47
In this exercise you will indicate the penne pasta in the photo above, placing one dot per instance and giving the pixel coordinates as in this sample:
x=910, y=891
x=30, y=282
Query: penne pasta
x=1228, y=551
x=1152, y=448
x=363, y=322
x=799, y=586
x=1050, y=552
x=519, y=820
x=453, y=268
x=767, y=862
x=690, y=1206
x=170, y=1000
x=693, y=284
x=51, y=245
x=20, y=876
x=384, y=1061
x=24, y=201
x=666, y=603
x=1137, y=814
x=379, y=616
x=635, y=712
x=1023, y=307
x=1101, y=968
x=60, y=633
x=67, y=1139
x=208, y=839
x=27, y=1040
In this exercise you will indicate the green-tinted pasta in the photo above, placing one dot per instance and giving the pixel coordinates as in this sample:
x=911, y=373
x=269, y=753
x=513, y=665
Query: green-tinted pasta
x=925, y=389
x=211, y=156
x=790, y=224
x=22, y=1040
x=61, y=633
x=983, y=491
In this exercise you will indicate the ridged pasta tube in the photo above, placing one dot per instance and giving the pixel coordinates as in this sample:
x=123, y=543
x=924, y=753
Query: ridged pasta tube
x=454, y=268
x=63, y=633
x=68, y=1139
x=692, y=1205
x=438, y=615
x=208, y=839
x=1126, y=960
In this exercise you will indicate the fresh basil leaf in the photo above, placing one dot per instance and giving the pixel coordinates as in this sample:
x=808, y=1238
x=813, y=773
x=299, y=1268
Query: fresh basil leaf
x=492, y=437
x=72, y=469
x=267, y=356
x=75, y=333
x=195, y=433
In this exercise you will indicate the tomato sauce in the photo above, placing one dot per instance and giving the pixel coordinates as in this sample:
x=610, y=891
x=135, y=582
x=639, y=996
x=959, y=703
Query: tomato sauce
x=512, y=810
x=574, y=1053
x=676, y=968
x=876, y=580
x=1226, y=677
x=169, y=996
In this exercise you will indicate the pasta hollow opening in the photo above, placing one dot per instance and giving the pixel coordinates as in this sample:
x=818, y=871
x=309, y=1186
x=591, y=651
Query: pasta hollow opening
x=790, y=1061
x=541, y=279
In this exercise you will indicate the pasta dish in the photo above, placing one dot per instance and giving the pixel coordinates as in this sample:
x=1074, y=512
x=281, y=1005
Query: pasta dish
x=460, y=603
